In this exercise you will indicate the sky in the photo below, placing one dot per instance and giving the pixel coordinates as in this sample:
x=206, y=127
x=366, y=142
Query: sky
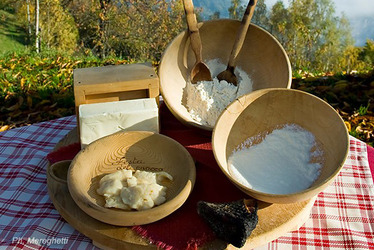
x=351, y=8
x=360, y=13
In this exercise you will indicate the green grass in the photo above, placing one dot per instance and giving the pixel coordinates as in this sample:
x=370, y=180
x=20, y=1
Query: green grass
x=12, y=35
x=42, y=75
x=363, y=110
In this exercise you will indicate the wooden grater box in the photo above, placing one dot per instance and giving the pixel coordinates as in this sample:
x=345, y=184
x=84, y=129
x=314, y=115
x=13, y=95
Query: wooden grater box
x=115, y=83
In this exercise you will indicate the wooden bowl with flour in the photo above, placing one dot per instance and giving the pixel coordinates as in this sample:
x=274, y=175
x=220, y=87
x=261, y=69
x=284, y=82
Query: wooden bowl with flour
x=280, y=145
x=262, y=59
x=137, y=150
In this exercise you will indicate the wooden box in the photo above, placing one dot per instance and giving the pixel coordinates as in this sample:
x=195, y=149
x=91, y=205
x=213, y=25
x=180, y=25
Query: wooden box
x=115, y=83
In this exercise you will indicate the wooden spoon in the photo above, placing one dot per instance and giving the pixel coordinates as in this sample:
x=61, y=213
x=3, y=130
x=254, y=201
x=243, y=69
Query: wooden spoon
x=200, y=71
x=228, y=74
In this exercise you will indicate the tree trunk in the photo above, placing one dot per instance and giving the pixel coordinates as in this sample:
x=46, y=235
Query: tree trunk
x=37, y=36
x=103, y=23
x=28, y=20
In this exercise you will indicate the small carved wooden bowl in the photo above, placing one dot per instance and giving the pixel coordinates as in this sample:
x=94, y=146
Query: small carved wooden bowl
x=141, y=150
x=260, y=112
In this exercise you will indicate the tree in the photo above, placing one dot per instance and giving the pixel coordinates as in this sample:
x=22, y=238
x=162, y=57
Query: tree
x=261, y=15
x=345, y=61
x=350, y=60
x=29, y=33
x=314, y=38
x=58, y=29
x=7, y=4
x=367, y=53
x=215, y=16
x=236, y=10
x=53, y=27
x=86, y=15
x=278, y=22
x=131, y=28
x=37, y=37
x=150, y=26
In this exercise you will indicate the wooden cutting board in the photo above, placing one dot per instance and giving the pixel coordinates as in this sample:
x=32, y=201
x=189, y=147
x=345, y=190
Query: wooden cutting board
x=274, y=221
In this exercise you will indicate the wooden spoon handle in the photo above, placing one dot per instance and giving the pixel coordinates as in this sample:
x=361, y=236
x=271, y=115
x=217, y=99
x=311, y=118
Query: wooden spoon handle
x=193, y=29
x=242, y=32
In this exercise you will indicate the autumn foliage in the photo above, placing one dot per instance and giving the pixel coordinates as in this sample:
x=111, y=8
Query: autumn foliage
x=39, y=88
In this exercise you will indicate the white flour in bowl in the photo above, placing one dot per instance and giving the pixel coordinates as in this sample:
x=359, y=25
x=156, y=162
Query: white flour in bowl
x=207, y=99
x=286, y=161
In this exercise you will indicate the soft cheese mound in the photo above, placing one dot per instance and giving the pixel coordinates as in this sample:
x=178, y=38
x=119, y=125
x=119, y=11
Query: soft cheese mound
x=139, y=190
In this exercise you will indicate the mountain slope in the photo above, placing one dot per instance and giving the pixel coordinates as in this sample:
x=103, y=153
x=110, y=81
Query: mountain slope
x=211, y=6
x=12, y=36
x=362, y=29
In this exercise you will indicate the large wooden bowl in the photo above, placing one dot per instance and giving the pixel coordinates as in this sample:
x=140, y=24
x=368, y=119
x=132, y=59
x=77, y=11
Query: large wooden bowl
x=142, y=150
x=260, y=112
x=261, y=57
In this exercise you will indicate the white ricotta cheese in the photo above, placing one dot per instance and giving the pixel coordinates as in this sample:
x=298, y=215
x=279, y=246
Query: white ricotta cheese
x=139, y=191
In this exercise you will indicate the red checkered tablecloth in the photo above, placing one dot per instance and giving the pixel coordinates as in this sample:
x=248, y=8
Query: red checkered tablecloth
x=342, y=216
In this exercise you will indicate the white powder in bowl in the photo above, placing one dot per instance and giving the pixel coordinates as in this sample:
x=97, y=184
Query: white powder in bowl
x=286, y=161
x=207, y=99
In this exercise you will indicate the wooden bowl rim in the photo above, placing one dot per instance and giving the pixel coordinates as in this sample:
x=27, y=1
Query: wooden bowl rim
x=183, y=195
x=51, y=168
x=309, y=192
x=189, y=121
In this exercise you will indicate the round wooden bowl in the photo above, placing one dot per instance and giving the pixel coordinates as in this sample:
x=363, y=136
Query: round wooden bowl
x=143, y=151
x=261, y=57
x=262, y=111
x=58, y=171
